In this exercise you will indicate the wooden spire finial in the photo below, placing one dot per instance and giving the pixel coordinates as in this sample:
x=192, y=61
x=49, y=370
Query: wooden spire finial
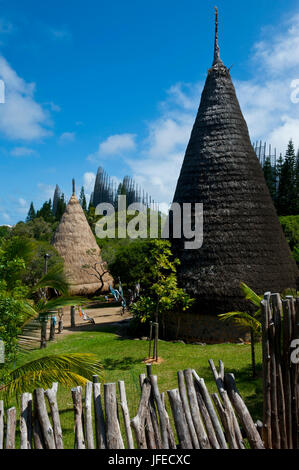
x=216, y=47
x=74, y=187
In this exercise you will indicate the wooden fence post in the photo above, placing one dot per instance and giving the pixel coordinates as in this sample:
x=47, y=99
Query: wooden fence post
x=126, y=414
x=186, y=408
x=99, y=415
x=88, y=417
x=113, y=434
x=78, y=410
x=138, y=422
x=243, y=413
x=1, y=424
x=196, y=417
x=51, y=395
x=161, y=412
x=179, y=419
x=26, y=421
x=211, y=410
x=11, y=422
x=45, y=424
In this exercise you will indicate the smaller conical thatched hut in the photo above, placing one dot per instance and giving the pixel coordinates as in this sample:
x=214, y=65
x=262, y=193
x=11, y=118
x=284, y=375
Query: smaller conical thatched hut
x=77, y=245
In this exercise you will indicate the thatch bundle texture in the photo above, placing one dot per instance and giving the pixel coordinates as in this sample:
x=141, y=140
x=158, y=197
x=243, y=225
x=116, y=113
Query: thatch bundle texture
x=77, y=245
x=243, y=239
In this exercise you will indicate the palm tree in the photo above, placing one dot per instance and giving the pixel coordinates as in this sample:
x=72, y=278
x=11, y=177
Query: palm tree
x=248, y=320
x=67, y=369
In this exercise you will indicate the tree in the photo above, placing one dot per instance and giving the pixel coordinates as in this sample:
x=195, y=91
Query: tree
x=290, y=226
x=248, y=320
x=31, y=213
x=37, y=228
x=96, y=269
x=61, y=206
x=286, y=200
x=270, y=177
x=19, y=307
x=160, y=291
x=46, y=212
x=82, y=199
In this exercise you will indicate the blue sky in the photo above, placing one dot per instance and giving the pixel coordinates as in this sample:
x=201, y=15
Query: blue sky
x=118, y=83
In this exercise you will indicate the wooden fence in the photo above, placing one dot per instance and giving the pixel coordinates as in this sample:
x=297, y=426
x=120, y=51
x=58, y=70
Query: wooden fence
x=195, y=418
x=199, y=420
x=280, y=321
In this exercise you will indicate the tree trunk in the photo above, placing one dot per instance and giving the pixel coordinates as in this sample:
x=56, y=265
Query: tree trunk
x=43, y=339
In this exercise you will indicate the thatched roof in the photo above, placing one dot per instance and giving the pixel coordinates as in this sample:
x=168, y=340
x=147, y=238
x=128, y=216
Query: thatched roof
x=73, y=239
x=243, y=239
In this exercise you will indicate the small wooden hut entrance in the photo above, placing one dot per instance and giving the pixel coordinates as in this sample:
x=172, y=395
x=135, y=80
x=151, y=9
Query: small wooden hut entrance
x=77, y=245
x=243, y=239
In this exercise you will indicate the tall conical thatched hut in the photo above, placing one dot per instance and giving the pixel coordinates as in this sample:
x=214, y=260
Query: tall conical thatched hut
x=243, y=239
x=77, y=245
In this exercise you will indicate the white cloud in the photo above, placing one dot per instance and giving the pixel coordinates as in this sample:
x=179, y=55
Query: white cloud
x=279, y=52
x=21, y=116
x=117, y=144
x=67, y=137
x=114, y=145
x=22, y=207
x=22, y=152
x=88, y=181
x=22, y=202
x=265, y=101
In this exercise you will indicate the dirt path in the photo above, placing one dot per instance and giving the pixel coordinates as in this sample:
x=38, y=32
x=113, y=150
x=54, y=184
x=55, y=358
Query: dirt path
x=105, y=315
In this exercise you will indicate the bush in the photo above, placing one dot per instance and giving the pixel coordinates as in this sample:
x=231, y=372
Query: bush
x=290, y=226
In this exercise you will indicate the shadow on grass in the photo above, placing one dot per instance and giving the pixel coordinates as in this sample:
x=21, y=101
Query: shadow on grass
x=125, y=363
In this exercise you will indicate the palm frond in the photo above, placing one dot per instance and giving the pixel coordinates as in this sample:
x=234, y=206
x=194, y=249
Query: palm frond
x=243, y=319
x=59, y=302
x=54, y=279
x=251, y=295
x=67, y=369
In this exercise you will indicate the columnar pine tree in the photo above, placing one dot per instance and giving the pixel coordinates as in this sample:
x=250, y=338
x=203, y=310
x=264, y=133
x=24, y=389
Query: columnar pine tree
x=286, y=198
x=31, y=213
x=46, y=212
x=61, y=206
x=82, y=199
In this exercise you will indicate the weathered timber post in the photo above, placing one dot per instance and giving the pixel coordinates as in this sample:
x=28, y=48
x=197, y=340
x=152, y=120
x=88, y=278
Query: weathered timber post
x=126, y=414
x=11, y=422
x=179, y=419
x=88, y=417
x=187, y=411
x=37, y=432
x=79, y=433
x=73, y=312
x=138, y=422
x=51, y=395
x=52, y=329
x=113, y=434
x=196, y=417
x=243, y=413
x=99, y=415
x=45, y=424
x=26, y=421
x=1, y=424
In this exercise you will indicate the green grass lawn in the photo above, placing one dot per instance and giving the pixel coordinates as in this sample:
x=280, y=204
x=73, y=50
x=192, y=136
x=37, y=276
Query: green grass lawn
x=122, y=360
